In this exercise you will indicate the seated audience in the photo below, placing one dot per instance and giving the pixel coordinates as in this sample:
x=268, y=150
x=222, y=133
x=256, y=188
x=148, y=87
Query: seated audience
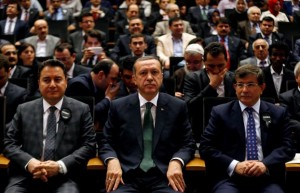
x=296, y=51
x=209, y=28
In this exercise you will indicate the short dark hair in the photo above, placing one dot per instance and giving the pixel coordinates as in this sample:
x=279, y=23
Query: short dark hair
x=280, y=46
x=23, y=46
x=15, y=2
x=137, y=35
x=127, y=63
x=268, y=18
x=52, y=63
x=84, y=14
x=144, y=58
x=214, y=49
x=223, y=20
x=94, y=33
x=4, y=63
x=62, y=46
x=249, y=69
x=174, y=19
x=5, y=44
x=103, y=65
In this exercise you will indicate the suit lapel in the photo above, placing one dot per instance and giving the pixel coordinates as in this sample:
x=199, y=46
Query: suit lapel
x=62, y=124
x=161, y=115
x=38, y=121
x=263, y=127
x=239, y=123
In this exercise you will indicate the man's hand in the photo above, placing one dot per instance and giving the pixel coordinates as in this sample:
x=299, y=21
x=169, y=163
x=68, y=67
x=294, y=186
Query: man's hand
x=112, y=90
x=113, y=175
x=216, y=79
x=37, y=172
x=87, y=54
x=52, y=167
x=175, y=176
x=250, y=168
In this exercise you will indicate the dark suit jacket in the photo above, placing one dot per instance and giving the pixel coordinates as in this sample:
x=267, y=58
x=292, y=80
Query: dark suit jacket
x=21, y=72
x=195, y=17
x=224, y=140
x=276, y=37
x=79, y=69
x=172, y=135
x=196, y=87
x=20, y=31
x=15, y=95
x=270, y=90
x=33, y=16
x=236, y=49
x=122, y=47
x=297, y=16
x=291, y=100
x=75, y=139
x=83, y=85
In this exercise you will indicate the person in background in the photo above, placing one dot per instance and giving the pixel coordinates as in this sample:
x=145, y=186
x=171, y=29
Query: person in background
x=238, y=14
x=206, y=29
x=74, y=5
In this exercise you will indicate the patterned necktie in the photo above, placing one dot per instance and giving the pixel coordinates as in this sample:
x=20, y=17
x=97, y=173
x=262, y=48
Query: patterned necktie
x=51, y=134
x=252, y=153
x=147, y=161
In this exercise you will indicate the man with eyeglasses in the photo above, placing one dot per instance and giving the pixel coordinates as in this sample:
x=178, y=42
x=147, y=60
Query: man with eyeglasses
x=65, y=53
x=213, y=81
x=16, y=71
x=86, y=23
x=247, y=141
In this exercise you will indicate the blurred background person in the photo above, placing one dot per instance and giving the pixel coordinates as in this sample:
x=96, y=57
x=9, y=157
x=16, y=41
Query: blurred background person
x=208, y=28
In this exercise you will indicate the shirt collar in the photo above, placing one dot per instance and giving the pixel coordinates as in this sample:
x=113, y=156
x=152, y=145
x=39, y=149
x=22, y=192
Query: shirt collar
x=143, y=101
x=4, y=88
x=46, y=105
x=273, y=71
x=256, y=106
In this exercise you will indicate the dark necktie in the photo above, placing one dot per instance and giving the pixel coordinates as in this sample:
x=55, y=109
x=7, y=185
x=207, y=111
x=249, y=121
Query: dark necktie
x=262, y=63
x=252, y=153
x=10, y=31
x=51, y=134
x=147, y=161
x=26, y=15
x=267, y=39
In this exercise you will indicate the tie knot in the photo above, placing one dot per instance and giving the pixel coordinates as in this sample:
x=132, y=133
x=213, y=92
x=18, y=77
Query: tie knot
x=10, y=20
x=249, y=110
x=148, y=105
x=52, y=109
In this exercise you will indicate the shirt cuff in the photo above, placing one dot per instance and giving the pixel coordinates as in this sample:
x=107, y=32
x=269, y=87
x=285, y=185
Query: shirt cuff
x=105, y=161
x=62, y=167
x=231, y=167
x=28, y=163
x=179, y=159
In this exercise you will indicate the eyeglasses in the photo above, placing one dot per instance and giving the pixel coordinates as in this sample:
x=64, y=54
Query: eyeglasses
x=247, y=85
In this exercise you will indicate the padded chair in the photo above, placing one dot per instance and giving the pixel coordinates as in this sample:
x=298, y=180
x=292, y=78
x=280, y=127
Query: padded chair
x=103, y=25
x=290, y=31
x=290, y=84
x=89, y=100
x=2, y=120
x=169, y=86
x=174, y=64
x=22, y=82
x=59, y=28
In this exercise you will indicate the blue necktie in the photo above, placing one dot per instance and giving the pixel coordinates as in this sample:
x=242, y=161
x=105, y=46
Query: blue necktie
x=147, y=161
x=252, y=153
x=51, y=134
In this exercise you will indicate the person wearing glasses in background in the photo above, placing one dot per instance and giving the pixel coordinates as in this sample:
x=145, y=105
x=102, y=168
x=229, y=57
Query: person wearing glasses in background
x=247, y=141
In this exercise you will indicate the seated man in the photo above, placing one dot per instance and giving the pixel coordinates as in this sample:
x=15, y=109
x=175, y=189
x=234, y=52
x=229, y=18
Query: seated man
x=243, y=151
x=158, y=150
x=290, y=100
x=50, y=139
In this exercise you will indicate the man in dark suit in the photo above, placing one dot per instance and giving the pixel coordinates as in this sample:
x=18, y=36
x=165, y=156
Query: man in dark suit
x=127, y=85
x=277, y=73
x=198, y=14
x=65, y=53
x=86, y=23
x=247, y=141
x=290, y=99
x=28, y=14
x=16, y=71
x=98, y=11
x=142, y=169
x=100, y=83
x=12, y=25
x=235, y=46
x=122, y=49
x=251, y=26
x=15, y=95
x=49, y=156
x=266, y=26
x=212, y=81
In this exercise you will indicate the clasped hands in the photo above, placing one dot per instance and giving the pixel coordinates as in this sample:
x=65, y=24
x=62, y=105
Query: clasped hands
x=250, y=168
x=43, y=169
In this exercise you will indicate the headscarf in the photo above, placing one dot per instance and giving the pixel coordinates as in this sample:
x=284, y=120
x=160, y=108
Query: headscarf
x=210, y=15
x=272, y=5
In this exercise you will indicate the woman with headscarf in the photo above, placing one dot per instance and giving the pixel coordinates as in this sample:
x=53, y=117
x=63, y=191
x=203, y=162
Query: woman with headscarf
x=238, y=14
x=208, y=28
x=274, y=11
